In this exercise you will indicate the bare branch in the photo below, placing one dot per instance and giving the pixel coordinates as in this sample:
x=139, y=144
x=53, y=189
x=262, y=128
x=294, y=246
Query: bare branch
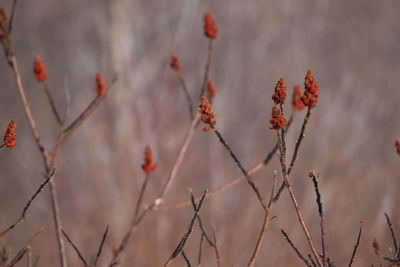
x=281, y=138
x=321, y=215
x=296, y=151
x=229, y=184
x=52, y=105
x=245, y=173
x=23, y=250
x=141, y=195
x=355, y=248
x=28, y=204
x=395, y=244
x=207, y=68
x=185, y=237
x=100, y=247
x=185, y=257
x=75, y=248
x=295, y=248
x=264, y=228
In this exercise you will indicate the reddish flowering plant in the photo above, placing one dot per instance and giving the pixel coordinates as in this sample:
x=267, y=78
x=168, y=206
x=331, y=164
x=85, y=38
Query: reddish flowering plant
x=101, y=87
x=280, y=92
x=39, y=69
x=175, y=63
x=278, y=120
x=148, y=165
x=10, y=136
x=207, y=114
x=297, y=103
x=211, y=90
x=397, y=144
x=310, y=96
x=210, y=27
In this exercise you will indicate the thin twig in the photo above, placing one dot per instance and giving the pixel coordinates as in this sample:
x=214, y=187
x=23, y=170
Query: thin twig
x=29, y=261
x=23, y=250
x=355, y=247
x=185, y=257
x=75, y=248
x=296, y=151
x=200, y=249
x=245, y=173
x=100, y=247
x=295, y=248
x=84, y=115
x=52, y=105
x=13, y=10
x=264, y=228
x=141, y=195
x=185, y=237
x=179, y=160
x=395, y=244
x=28, y=204
x=207, y=68
x=187, y=95
x=281, y=139
x=205, y=236
x=257, y=167
x=321, y=215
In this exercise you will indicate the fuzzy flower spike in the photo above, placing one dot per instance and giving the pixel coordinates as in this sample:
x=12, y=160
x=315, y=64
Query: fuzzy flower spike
x=278, y=120
x=297, y=103
x=280, y=92
x=207, y=114
x=39, y=69
x=101, y=87
x=148, y=165
x=310, y=96
x=10, y=136
x=210, y=27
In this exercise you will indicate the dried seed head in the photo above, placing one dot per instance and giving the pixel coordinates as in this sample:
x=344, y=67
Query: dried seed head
x=297, y=103
x=278, y=120
x=3, y=21
x=280, y=92
x=210, y=28
x=175, y=63
x=207, y=114
x=101, y=87
x=39, y=69
x=10, y=136
x=397, y=144
x=148, y=165
x=376, y=247
x=211, y=90
x=310, y=96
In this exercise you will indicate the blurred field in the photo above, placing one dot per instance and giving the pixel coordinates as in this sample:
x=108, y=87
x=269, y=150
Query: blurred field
x=351, y=46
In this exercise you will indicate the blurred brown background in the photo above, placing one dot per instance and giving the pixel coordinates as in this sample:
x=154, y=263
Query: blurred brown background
x=351, y=46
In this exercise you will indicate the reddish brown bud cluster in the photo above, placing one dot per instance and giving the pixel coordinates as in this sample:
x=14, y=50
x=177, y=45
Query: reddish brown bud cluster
x=175, y=63
x=297, y=103
x=101, y=87
x=149, y=164
x=397, y=144
x=39, y=69
x=210, y=28
x=207, y=114
x=3, y=24
x=310, y=96
x=278, y=120
x=211, y=90
x=280, y=92
x=10, y=136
